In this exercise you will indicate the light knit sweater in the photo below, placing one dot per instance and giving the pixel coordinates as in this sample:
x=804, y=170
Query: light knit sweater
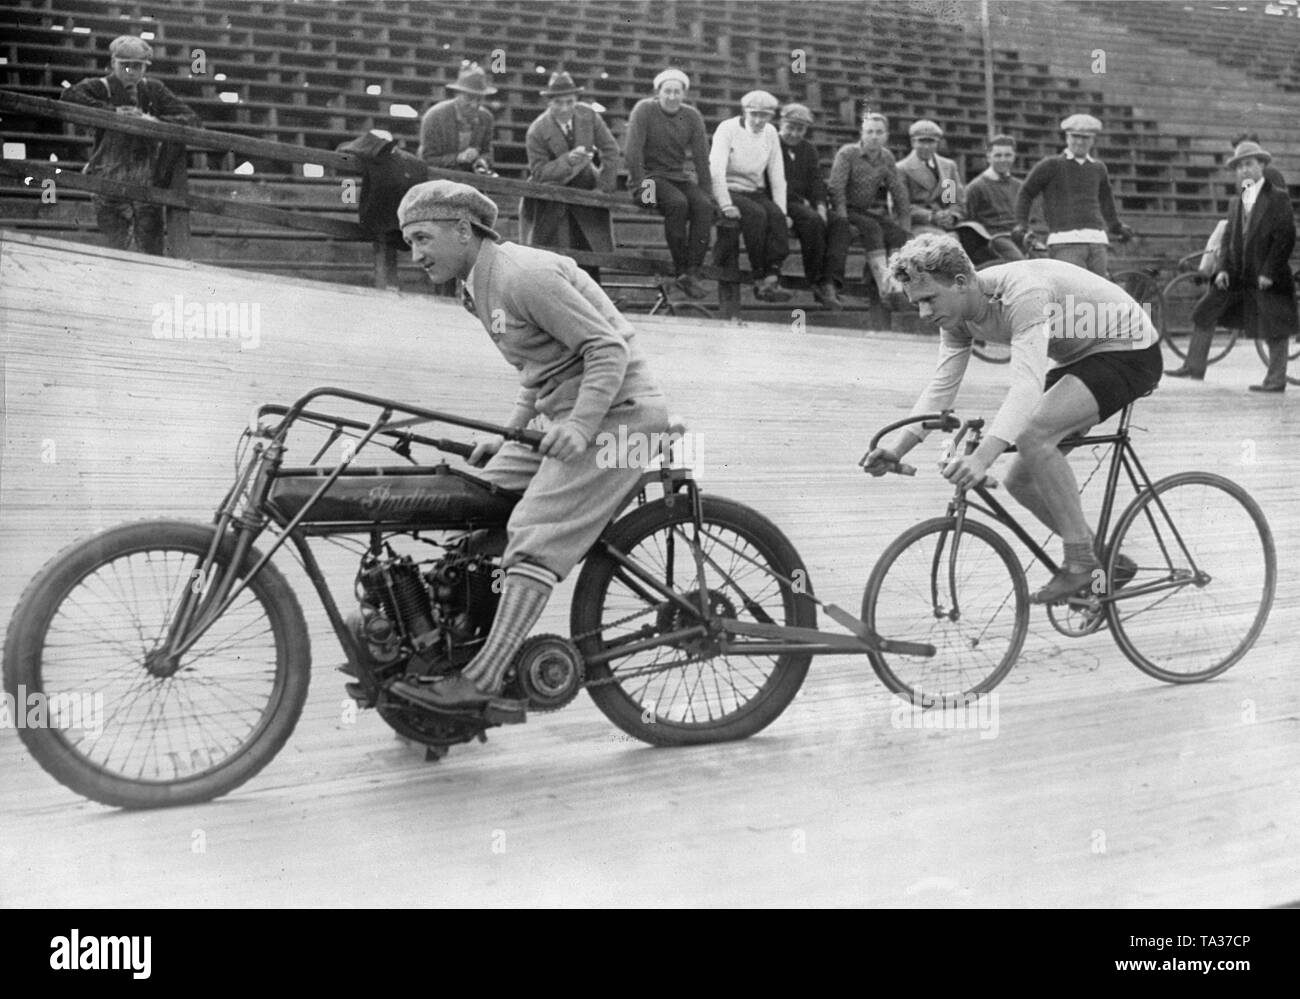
x=739, y=160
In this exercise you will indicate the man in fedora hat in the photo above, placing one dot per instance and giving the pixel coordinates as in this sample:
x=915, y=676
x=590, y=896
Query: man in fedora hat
x=823, y=237
x=1077, y=200
x=581, y=376
x=132, y=159
x=934, y=187
x=456, y=134
x=568, y=144
x=1254, y=286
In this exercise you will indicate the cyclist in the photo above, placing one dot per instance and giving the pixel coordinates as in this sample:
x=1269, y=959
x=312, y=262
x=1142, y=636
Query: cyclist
x=1081, y=350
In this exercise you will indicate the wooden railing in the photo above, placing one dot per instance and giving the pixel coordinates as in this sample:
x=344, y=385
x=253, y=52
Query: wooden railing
x=181, y=202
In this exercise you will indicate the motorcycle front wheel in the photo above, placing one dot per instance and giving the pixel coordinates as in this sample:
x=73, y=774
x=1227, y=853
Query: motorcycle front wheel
x=108, y=715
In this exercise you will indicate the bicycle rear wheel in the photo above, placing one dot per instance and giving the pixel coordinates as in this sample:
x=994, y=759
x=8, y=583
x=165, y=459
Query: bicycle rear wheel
x=691, y=690
x=1180, y=298
x=972, y=606
x=1205, y=579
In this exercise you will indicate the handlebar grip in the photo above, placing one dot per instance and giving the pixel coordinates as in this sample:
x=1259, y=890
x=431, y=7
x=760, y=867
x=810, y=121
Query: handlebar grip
x=946, y=423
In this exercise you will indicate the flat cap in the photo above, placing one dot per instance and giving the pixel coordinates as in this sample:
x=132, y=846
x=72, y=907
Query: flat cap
x=797, y=113
x=925, y=128
x=130, y=47
x=448, y=201
x=1083, y=124
x=672, y=73
x=759, y=100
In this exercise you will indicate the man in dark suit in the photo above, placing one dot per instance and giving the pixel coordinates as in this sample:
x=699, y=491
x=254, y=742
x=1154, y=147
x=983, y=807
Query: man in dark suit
x=456, y=134
x=1254, y=287
x=568, y=144
x=934, y=188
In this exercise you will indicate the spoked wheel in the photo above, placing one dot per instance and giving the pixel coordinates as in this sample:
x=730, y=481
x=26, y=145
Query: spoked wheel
x=1180, y=298
x=129, y=725
x=689, y=310
x=964, y=594
x=993, y=353
x=691, y=689
x=1145, y=290
x=1205, y=578
x=1293, y=354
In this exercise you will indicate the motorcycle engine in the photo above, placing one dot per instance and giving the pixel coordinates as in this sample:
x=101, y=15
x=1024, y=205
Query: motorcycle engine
x=403, y=611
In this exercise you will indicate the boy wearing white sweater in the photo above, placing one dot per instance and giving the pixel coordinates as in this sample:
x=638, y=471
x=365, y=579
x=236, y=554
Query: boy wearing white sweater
x=749, y=184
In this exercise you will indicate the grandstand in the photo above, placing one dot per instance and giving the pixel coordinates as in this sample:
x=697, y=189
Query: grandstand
x=1172, y=81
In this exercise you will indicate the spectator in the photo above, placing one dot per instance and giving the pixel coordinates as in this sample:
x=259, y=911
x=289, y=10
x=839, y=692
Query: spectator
x=823, y=238
x=1271, y=173
x=746, y=164
x=864, y=183
x=991, y=201
x=934, y=188
x=1254, y=285
x=387, y=173
x=568, y=144
x=132, y=159
x=1077, y=199
x=663, y=132
x=456, y=134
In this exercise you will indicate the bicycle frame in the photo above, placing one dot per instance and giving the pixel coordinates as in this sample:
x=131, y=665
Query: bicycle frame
x=1123, y=459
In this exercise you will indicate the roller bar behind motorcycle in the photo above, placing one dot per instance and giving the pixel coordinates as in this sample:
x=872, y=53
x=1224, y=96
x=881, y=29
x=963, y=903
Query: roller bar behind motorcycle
x=693, y=618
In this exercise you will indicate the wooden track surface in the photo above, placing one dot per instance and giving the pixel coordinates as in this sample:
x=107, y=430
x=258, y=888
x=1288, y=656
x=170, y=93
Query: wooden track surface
x=1102, y=787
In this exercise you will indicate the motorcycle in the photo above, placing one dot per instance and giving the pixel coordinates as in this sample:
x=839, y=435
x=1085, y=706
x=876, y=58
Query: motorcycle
x=690, y=622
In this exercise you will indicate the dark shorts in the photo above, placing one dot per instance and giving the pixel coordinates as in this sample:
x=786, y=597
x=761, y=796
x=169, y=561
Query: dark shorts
x=1115, y=377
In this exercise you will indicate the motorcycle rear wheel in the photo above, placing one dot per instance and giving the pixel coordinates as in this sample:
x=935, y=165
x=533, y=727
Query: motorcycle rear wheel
x=84, y=640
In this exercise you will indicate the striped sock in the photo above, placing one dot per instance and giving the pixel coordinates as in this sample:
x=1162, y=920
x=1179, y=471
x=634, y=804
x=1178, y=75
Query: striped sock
x=524, y=594
x=1080, y=556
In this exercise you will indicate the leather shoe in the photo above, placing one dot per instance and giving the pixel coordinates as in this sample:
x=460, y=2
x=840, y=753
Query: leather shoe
x=691, y=286
x=450, y=693
x=1186, y=372
x=826, y=295
x=1268, y=388
x=1064, y=584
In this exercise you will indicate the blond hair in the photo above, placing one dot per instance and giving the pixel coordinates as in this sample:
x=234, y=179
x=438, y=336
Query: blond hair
x=933, y=253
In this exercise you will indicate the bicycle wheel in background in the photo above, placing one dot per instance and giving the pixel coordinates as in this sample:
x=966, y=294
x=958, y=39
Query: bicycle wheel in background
x=691, y=690
x=689, y=310
x=993, y=353
x=1217, y=546
x=1145, y=290
x=1293, y=353
x=973, y=608
x=1180, y=298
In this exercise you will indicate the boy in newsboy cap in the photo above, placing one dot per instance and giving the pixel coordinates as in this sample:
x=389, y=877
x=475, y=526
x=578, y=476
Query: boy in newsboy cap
x=581, y=373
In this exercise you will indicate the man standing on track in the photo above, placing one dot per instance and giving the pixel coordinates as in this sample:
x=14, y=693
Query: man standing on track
x=1077, y=199
x=1081, y=350
x=1255, y=282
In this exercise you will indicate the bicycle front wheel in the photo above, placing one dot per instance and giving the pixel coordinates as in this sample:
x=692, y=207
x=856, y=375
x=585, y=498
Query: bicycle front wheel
x=1180, y=298
x=1205, y=577
x=964, y=593
x=126, y=725
x=688, y=689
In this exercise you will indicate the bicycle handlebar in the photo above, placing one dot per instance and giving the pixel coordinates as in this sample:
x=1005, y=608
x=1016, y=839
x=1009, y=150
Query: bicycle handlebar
x=946, y=422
